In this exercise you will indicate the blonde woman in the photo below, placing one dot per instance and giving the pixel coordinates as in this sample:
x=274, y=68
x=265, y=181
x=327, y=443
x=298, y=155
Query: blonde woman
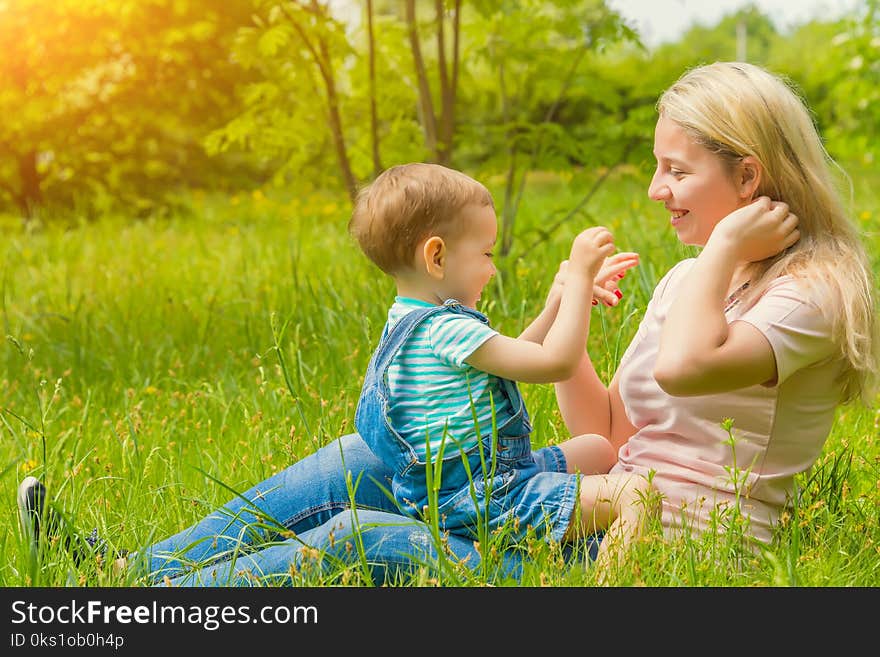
x=774, y=339
x=773, y=325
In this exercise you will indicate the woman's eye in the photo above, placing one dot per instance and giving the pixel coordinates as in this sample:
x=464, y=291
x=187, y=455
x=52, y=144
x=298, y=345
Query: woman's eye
x=676, y=172
x=490, y=254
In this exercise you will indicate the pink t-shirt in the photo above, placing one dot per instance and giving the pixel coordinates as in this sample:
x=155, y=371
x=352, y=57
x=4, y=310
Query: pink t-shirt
x=779, y=430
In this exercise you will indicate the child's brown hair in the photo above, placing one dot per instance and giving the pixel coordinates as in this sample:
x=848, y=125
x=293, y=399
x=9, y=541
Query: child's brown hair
x=408, y=203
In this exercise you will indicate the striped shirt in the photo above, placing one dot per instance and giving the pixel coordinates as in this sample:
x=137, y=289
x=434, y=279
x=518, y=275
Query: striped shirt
x=431, y=386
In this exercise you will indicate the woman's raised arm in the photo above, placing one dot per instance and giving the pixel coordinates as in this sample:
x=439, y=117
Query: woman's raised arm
x=588, y=406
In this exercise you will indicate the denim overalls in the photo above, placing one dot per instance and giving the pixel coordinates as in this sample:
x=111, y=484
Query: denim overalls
x=513, y=489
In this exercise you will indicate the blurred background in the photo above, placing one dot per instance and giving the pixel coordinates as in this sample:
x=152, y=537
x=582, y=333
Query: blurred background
x=131, y=106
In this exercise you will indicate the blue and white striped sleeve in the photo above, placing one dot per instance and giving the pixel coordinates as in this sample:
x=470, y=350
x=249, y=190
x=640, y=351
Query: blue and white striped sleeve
x=455, y=337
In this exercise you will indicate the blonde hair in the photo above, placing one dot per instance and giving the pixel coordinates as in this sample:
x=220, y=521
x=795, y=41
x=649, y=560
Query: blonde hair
x=738, y=110
x=408, y=203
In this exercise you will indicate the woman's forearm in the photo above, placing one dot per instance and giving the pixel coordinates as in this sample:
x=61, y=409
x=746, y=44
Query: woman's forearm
x=583, y=401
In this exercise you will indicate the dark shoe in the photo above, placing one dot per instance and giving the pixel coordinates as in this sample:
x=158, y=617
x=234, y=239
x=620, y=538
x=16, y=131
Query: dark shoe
x=33, y=512
x=41, y=522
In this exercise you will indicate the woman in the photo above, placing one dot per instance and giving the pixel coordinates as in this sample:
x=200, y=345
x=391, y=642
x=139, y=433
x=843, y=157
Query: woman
x=773, y=339
x=773, y=325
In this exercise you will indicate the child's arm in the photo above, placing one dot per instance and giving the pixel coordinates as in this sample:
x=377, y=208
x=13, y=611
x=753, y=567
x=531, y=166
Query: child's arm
x=557, y=357
x=604, y=287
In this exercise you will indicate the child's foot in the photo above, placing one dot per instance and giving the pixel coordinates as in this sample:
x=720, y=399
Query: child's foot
x=41, y=522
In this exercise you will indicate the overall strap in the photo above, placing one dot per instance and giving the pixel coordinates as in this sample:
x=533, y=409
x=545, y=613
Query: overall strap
x=393, y=339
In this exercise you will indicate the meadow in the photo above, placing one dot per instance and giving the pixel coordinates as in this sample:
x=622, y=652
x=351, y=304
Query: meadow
x=151, y=367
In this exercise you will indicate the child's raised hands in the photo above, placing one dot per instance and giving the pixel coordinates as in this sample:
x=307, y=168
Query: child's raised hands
x=606, y=283
x=589, y=250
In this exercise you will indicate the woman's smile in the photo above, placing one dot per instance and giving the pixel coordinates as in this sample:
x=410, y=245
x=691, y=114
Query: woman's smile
x=676, y=216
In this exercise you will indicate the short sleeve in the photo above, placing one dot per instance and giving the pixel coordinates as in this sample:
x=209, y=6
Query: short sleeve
x=454, y=337
x=798, y=332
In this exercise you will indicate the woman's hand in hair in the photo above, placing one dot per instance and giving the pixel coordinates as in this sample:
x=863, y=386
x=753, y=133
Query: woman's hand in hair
x=757, y=231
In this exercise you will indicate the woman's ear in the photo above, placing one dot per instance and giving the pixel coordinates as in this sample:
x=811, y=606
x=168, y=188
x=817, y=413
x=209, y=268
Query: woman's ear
x=434, y=256
x=749, y=177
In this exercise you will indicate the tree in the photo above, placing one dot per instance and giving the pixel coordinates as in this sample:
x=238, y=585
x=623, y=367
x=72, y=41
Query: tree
x=48, y=95
x=295, y=50
x=374, y=115
x=721, y=42
x=388, y=78
x=840, y=80
x=110, y=100
x=439, y=128
x=542, y=59
x=318, y=41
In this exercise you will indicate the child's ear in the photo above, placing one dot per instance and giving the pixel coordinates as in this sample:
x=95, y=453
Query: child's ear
x=434, y=256
x=749, y=177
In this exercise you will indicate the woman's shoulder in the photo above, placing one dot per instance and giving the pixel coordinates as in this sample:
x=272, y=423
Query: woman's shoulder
x=789, y=304
x=799, y=289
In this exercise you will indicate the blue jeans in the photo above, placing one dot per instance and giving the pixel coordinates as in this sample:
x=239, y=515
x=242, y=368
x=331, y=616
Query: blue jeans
x=258, y=537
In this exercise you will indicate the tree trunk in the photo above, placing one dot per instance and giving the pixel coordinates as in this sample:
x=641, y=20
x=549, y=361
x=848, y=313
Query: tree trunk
x=351, y=184
x=426, y=104
x=374, y=118
x=30, y=195
x=321, y=55
x=448, y=84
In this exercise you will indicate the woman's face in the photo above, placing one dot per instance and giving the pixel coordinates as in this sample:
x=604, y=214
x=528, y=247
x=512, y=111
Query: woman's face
x=693, y=183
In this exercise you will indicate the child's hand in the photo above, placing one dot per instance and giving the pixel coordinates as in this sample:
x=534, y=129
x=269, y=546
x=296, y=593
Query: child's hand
x=589, y=250
x=757, y=231
x=606, y=284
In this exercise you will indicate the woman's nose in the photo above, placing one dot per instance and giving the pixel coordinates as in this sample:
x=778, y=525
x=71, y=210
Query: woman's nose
x=658, y=190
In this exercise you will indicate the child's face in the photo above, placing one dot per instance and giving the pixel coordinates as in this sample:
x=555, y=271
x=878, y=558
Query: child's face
x=469, y=263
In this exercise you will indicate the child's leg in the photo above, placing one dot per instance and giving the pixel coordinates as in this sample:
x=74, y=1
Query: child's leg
x=589, y=454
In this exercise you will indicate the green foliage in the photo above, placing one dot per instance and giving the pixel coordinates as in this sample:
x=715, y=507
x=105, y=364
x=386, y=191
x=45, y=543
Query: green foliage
x=840, y=79
x=285, y=117
x=130, y=103
x=535, y=86
x=108, y=101
x=509, y=79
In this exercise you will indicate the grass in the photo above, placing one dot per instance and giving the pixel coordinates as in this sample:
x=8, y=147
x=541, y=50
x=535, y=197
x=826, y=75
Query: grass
x=141, y=380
